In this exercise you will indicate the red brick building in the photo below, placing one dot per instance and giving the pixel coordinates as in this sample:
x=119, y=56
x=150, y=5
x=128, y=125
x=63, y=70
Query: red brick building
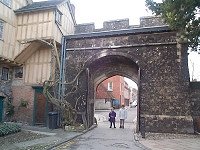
x=113, y=91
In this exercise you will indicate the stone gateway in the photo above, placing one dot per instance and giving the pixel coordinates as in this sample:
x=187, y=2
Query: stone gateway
x=147, y=54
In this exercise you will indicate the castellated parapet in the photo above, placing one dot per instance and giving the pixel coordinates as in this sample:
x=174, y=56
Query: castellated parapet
x=148, y=21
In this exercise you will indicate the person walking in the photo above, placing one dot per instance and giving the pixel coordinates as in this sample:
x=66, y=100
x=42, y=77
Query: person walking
x=122, y=116
x=112, y=116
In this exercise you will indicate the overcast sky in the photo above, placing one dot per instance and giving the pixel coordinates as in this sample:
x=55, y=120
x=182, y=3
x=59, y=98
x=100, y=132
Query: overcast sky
x=103, y=10
x=97, y=11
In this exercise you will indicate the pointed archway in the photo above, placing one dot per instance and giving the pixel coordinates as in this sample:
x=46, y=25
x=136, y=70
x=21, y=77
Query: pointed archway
x=149, y=56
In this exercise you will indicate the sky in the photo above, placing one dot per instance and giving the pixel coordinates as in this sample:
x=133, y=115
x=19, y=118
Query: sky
x=97, y=11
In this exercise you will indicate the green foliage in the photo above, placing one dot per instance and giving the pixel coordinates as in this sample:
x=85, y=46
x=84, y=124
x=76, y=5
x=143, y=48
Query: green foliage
x=10, y=109
x=23, y=103
x=181, y=15
x=9, y=128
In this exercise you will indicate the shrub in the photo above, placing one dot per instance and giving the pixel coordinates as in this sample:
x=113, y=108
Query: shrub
x=10, y=109
x=9, y=128
x=23, y=103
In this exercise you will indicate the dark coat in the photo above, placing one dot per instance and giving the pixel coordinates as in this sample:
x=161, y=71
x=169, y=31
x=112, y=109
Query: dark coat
x=112, y=116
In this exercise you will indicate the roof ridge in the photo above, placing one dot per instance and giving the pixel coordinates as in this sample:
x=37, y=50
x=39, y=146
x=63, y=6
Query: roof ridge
x=39, y=5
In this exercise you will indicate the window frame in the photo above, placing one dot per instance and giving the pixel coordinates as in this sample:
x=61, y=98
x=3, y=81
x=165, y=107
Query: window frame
x=1, y=29
x=110, y=86
x=21, y=70
x=5, y=73
x=58, y=17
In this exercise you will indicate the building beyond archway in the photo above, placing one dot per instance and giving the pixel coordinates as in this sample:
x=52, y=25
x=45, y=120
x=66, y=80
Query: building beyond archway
x=113, y=92
x=148, y=54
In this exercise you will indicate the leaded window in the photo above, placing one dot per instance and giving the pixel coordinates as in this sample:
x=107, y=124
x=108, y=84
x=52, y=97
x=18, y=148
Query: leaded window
x=18, y=72
x=58, y=17
x=5, y=73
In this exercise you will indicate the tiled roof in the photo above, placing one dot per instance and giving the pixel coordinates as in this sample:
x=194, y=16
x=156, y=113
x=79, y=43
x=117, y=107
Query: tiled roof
x=39, y=6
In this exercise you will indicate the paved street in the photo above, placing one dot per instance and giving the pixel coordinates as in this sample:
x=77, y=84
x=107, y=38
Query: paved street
x=102, y=115
x=103, y=137
x=189, y=143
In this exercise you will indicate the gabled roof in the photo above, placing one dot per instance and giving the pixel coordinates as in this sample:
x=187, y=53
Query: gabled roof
x=51, y=4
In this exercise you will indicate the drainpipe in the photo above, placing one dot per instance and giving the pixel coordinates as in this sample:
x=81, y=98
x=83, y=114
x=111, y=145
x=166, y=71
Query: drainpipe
x=87, y=99
x=138, y=102
x=63, y=68
x=61, y=87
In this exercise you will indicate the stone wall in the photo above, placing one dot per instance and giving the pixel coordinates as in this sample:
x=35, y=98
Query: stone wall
x=84, y=28
x=149, y=55
x=116, y=24
x=195, y=104
x=151, y=21
x=14, y=91
x=164, y=81
x=23, y=93
x=119, y=24
x=102, y=104
x=5, y=90
x=5, y=85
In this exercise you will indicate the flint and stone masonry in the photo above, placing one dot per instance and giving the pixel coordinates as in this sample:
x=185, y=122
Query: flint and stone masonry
x=149, y=55
x=195, y=104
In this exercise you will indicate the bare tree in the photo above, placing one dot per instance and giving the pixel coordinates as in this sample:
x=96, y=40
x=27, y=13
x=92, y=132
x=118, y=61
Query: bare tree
x=68, y=111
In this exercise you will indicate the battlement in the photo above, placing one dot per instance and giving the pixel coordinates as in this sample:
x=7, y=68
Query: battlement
x=148, y=21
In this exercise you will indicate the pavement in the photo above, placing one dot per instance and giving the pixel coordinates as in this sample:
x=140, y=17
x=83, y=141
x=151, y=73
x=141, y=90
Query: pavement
x=105, y=138
x=172, y=144
x=52, y=138
x=151, y=142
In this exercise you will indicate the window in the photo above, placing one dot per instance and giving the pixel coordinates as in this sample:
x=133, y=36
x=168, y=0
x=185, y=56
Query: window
x=7, y=2
x=58, y=17
x=4, y=75
x=110, y=86
x=1, y=29
x=18, y=72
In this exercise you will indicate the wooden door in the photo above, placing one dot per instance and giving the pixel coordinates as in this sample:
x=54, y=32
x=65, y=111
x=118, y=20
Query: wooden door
x=40, y=107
